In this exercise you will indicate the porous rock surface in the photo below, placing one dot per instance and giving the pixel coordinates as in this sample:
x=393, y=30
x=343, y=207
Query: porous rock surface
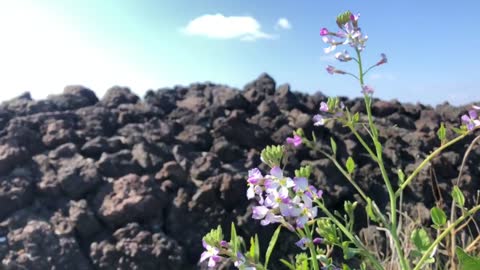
x=127, y=183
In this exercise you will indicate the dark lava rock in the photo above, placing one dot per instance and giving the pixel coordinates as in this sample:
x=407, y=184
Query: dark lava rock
x=118, y=95
x=129, y=199
x=135, y=248
x=118, y=164
x=73, y=97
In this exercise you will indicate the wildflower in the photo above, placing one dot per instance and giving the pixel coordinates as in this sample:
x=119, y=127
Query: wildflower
x=210, y=253
x=318, y=120
x=323, y=106
x=301, y=184
x=367, y=90
x=254, y=179
x=476, y=107
x=302, y=243
x=317, y=241
x=343, y=56
x=471, y=120
x=324, y=32
x=332, y=70
x=383, y=60
x=295, y=140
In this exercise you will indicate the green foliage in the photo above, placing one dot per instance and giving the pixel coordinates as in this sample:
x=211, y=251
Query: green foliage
x=458, y=197
x=439, y=217
x=333, y=144
x=305, y=171
x=343, y=18
x=350, y=165
x=401, y=176
x=214, y=237
x=327, y=229
x=369, y=209
x=467, y=262
x=272, y=155
x=271, y=245
x=442, y=133
x=420, y=239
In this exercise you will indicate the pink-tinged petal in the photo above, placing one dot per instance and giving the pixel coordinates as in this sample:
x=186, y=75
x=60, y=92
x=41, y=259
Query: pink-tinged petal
x=476, y=107
x=324, y=32
x=259, y=212
x=465, y=118
x=470, y=126
x=301, y=183
x=476, y=123
x=330, y=49
x=276, y=172
x=205, y=245
x=330, y=69
x=318, y=120
x=320, y=193
x=473, y=114
x=213, y=261
x=205, y=255
x=323, y=106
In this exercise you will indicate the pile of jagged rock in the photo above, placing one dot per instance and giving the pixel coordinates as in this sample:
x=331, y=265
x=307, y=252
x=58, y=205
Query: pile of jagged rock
x=126, y=183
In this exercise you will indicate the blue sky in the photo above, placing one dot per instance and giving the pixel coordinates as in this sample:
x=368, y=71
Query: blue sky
x=147, y=44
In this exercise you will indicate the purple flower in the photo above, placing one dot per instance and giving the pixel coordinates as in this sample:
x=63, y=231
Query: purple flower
x=210, y=253
x=254, y=179
x=331, y=69
x=323, y=106
x=271, y=218
x=301, y=184
x=383, y=60
x=295, y=141
x=324, y=32
x=303, y=243
x=471, y=120
x=366, y=89
x=318, y=120
x=259, y=212
x=317, y=241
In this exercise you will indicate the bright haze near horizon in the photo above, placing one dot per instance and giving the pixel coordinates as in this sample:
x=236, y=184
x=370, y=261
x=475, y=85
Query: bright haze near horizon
x=150, y=44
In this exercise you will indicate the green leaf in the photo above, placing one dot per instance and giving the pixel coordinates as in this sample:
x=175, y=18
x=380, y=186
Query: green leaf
x=350, y=165
x=333, y=144
x=369, y=209
x=460, y=131
x=305, y=171
x=442, y=133
x=233, y=239
x=401, y=176
x=420, y=239
x=271, y=245
x=467, y=262
x=356, y=118
x=438, y=216
x=346, y=267
x=257, y=249
x=457, y=196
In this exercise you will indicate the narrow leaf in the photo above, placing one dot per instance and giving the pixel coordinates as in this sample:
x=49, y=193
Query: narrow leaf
x=442, y=133
x=271, y=245
x=287, y=264
x=333, y=145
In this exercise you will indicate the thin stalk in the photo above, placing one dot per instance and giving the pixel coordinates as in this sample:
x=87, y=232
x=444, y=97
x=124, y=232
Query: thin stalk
x=347, y=233
x=426, y=161
x=391, y=193
x=443, y=235
x=311, y=247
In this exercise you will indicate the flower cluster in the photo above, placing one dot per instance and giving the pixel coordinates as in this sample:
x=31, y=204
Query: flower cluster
x=331, y=109
x=349, y=34
x=282, y=199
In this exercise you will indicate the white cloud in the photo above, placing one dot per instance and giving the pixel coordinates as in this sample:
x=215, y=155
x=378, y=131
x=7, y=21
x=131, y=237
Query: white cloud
x=226, y=27
x=283, y=23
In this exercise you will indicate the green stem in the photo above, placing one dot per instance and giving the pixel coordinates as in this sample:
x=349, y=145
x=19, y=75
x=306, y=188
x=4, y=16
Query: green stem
x=311, y=247
x=426, y=161
x=391, y=193
x=349, y=235
x=437, y=241
x=362, y=142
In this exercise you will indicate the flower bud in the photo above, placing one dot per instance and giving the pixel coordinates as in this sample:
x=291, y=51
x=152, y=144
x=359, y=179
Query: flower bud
x=324, y=32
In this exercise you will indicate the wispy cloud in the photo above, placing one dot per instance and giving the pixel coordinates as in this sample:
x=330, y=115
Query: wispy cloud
x=218, y=26
x=283, y=23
